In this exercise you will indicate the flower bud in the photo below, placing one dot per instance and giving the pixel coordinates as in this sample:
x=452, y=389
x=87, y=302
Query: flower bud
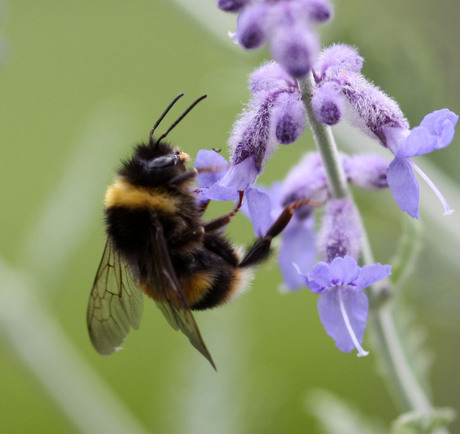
x=294, y=48
x=366, y=171
x=319, y=11
x=340, y=232
x=251, y=27
x=270, y=77
x=289, y=117
x=336, y=59
x=328, y=103
x=232, y=5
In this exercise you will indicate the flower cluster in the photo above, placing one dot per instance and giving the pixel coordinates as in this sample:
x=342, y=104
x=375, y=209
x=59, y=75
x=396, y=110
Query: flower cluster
x=287, y=26
x=343, y=306
x=275, y=114
x=342, y=90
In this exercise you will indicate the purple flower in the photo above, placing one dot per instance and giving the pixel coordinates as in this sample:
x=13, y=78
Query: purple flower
x=252, y=26
x=232, y=5
x=340, y=231
x=275, y=114
x=366, y=171
x=224, y=183
x=337, y=59
x=285, y=25
x=370, y=109
x=298, y=238
x=328, y=103
x=343, y=307
x=270, y=77
x=295, y=48
x=436, y=131
x=211, y=167
x=289, y=116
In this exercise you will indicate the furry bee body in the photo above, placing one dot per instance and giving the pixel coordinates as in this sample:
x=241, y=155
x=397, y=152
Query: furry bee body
x=206, y=264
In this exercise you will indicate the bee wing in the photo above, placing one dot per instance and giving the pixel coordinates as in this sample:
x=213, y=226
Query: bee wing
x=115, y=303
x=171, y=300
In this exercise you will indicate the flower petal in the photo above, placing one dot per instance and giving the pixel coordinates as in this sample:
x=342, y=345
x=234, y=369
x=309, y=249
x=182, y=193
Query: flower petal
x=259, y=207
x=356, y=306
x=215, y=164
x=297, y=246
x=404, y=186
x=419, y=142
x=370, y=274
x=344, y=270
x=441, y=123
x=240, y=176
x=321, y=275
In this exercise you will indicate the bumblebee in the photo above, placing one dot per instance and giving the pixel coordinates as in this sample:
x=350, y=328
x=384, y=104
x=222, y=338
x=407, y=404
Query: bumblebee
x=159, y=245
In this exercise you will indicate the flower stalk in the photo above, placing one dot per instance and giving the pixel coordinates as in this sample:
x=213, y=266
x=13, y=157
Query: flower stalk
x=390, y=348
x=325, y=143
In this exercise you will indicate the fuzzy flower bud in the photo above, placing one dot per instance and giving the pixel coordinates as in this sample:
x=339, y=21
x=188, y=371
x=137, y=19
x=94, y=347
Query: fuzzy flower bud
x=251, y=28
x=328, y=103
x=287, y=26
x=295, y=49
x=366, y=171
x=232, y=5
x=370, y=109
x=340, y=234
x=275, y=114
x=319, y=11
x=337, y=59
x=270, y=77
x=289, y=115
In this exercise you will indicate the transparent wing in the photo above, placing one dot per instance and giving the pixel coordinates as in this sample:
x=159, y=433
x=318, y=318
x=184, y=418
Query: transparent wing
x=115, y=303
x=169, y=296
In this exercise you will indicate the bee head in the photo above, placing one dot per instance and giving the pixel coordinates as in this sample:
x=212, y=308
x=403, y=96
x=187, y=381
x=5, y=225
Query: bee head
x=154, y=164
x=157, y=162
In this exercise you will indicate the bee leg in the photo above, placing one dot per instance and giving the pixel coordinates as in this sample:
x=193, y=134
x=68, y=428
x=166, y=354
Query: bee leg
x=261, y=248
x=224, y=220
x=183, y=177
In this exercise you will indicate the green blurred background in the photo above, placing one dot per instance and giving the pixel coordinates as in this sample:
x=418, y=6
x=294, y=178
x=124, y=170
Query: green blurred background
x=80, y=83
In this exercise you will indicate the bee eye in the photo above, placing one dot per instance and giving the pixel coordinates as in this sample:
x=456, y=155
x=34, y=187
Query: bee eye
x=161, y=162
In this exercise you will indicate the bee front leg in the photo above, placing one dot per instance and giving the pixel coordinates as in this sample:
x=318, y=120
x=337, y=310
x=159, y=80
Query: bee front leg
x=261, y=248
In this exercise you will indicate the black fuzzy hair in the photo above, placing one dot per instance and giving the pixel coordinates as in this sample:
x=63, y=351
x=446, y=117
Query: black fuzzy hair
x=137, y=172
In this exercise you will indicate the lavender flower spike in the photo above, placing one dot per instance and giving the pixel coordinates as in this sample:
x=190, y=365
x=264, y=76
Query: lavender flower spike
x=287, y=26
x=275, y=114
x=343, y=307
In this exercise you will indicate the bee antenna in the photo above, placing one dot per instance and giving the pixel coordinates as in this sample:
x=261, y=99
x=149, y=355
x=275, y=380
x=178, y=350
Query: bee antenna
x=182, y=116
x=163, y=115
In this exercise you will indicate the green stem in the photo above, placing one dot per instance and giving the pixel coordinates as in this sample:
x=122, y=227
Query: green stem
x=398, y=371
x=326, y=145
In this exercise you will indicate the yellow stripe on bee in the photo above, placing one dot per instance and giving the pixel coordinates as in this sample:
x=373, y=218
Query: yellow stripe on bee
x=196, y=286
x=124, y=194
x=194, y=289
